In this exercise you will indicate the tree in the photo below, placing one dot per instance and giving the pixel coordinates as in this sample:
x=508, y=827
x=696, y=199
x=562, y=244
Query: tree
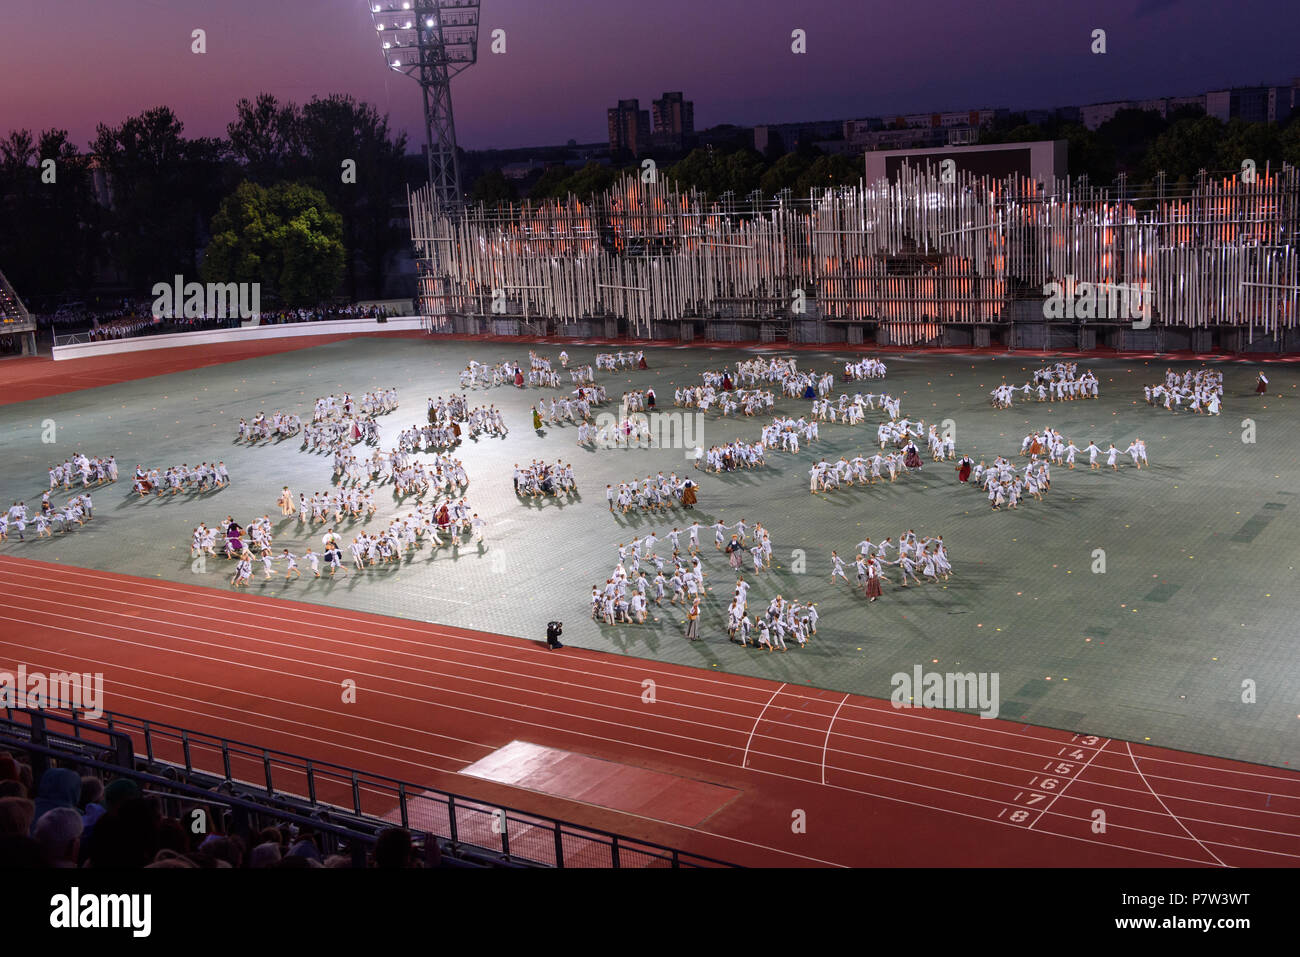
x=286, y=237
x=339, y=134
x=700, y=169
x=493, y=189
x=1185, y=147
x=785, y=173
x=1289, y=142
x=550, y=184
x=163, y=187
x=714, y=173
x=266, y=137
x=742, y=171
x=558, y=181
x=1129, y=135
x=50, y=226
x=19, y=210
x=16, y=151
x=1088, y=154
x=1261, y=143
x=827, y=172
x=593, y=178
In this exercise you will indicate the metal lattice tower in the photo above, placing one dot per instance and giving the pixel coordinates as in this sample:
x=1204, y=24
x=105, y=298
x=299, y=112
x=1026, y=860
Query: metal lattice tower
x=431, y=41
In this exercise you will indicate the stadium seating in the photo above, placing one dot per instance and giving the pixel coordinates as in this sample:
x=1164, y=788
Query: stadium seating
x=152, y=795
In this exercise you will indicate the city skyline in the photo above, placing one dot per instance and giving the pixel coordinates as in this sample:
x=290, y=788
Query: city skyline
x=565, y=64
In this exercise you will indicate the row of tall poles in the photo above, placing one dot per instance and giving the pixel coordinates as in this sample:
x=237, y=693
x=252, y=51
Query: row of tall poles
x=913, y=254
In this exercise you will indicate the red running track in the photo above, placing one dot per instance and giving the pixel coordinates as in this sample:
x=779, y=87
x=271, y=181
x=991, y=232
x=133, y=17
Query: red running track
x=872, y=785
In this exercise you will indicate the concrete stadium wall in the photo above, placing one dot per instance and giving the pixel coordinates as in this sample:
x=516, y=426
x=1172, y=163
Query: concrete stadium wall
x=243, y=334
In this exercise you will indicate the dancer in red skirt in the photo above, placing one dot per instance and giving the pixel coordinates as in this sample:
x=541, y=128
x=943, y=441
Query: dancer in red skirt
x=1262, y=385
x=873, y=579
x=964, y=467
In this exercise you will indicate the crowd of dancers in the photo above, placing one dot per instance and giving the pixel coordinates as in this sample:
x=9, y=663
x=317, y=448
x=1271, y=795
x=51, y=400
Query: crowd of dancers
x=331, y=435
x=1061, y=382
x=1201, y=389
x=48, y=519
x=92, y=470
x=577, y=408
x=786, y=433
x=861, y=470
x=867, y=368
x=783, y=618
x=1060, y=450
x=539, y=479
x=204, y=477
x=342, y=420
x=540, y=373
x=1007, y=486
x=611, y=362
x=733, y=456
x=279, y=425
x=445, y=525
x=641, y=577
x=374, y=402
x=919, y=559
x=78, y=471
x=652, y=494
x=481, y=375
x=898, y=432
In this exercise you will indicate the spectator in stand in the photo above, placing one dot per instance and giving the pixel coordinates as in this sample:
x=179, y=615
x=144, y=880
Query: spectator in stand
x=59, y=788
x=17, y=815
x=92, y=792
x=171, y=859
x=173, y=837
x=305, y=846
x=117, y=792
x=9, y=771
x=15, y=777
x=130, y=319
x=20, y=852
x=228, y=849
x=59, y=833
x=265, y=855
x=270, y=835
x=127, y=837
x=394, y=849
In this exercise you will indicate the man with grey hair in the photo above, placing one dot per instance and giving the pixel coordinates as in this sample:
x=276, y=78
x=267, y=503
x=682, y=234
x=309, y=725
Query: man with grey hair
x=59, y=832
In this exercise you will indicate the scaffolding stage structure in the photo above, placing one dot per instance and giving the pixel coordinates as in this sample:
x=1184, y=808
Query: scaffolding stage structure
x=916, y=261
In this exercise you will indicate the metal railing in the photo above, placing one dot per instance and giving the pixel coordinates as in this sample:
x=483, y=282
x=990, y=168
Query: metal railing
x=306, y=785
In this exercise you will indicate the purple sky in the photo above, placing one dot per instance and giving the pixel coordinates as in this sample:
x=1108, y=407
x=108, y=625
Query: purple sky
x=72, y=63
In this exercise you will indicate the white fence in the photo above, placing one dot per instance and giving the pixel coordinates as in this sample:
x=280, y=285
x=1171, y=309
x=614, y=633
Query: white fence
x=243, y=334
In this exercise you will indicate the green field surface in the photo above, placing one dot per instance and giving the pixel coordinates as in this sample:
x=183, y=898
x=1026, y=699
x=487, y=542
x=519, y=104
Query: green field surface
x=1196, y=605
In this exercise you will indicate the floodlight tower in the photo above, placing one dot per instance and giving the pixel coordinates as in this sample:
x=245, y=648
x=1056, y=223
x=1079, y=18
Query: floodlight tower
x=431, y=41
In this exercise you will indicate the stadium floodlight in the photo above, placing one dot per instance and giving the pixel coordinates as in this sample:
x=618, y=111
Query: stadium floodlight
x=431, y=41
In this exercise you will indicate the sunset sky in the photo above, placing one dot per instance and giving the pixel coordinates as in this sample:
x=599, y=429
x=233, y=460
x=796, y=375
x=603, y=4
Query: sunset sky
x=73, y=63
